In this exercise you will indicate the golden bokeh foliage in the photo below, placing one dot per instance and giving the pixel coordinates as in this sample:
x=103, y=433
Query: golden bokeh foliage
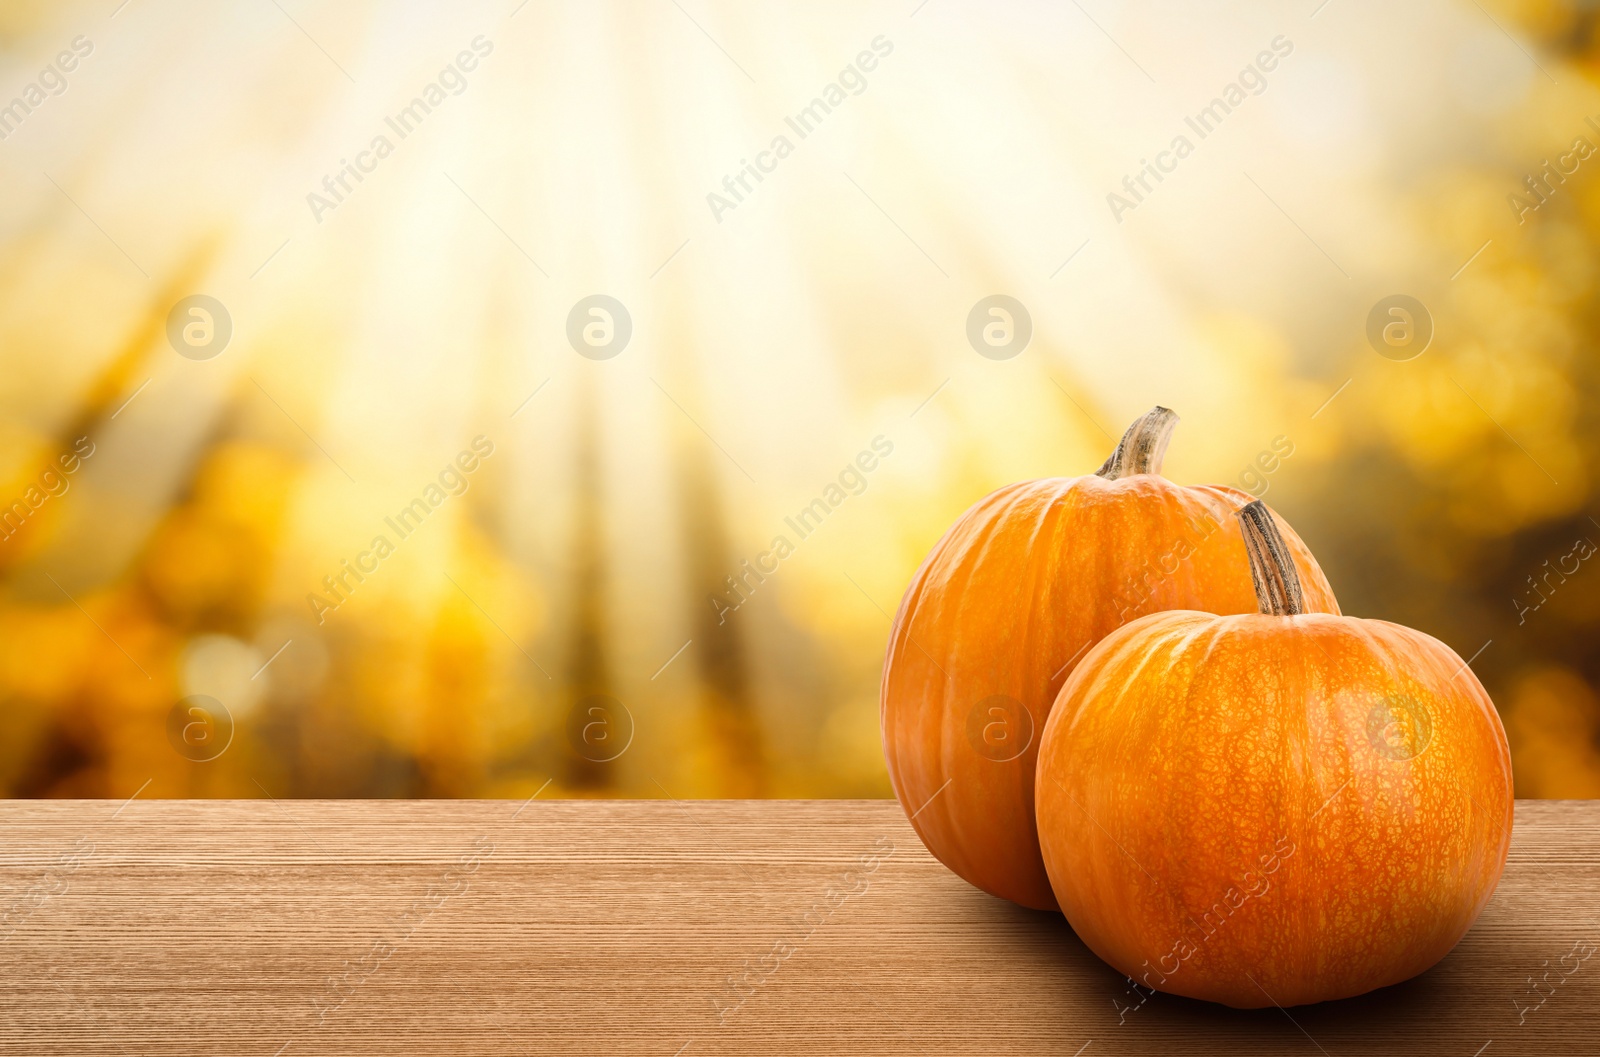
x=404, y=535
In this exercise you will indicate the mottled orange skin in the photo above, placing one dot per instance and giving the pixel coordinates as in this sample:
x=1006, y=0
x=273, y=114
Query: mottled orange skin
x=1015, y=592
x=1222, y=818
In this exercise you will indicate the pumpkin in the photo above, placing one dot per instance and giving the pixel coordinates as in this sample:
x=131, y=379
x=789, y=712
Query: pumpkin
x=1007, y=602
x=1275, y=808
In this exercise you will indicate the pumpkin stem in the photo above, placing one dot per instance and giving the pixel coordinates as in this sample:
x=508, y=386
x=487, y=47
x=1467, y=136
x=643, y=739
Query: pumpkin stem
x=1271, y=565
x=1143, y=447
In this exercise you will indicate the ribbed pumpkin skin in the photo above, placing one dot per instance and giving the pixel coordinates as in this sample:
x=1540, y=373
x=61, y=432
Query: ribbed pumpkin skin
x=1227, y=812
x=1023, y=583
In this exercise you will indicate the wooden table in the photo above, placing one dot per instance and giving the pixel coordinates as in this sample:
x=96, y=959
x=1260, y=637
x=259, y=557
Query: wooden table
x=663, y=927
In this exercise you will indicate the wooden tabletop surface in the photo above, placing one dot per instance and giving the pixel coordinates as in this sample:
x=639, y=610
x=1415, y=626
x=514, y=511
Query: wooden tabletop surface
x=670, y=928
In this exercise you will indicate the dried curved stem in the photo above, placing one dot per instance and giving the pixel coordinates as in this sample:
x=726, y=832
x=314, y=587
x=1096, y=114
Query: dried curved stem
x=1143, y=447
x=1272, y=568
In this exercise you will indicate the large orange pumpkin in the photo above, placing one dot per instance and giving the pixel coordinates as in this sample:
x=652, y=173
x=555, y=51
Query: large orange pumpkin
x=1275, y=808
x=1014, y=594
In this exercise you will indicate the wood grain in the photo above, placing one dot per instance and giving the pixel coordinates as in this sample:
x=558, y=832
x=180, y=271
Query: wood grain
x=664, y=927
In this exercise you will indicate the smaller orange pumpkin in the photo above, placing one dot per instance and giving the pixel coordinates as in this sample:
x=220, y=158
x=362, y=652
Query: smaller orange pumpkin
x=1272, y=808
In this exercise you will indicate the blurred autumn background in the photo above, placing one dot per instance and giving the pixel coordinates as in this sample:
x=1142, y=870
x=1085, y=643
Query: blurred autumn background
x=376, y=335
